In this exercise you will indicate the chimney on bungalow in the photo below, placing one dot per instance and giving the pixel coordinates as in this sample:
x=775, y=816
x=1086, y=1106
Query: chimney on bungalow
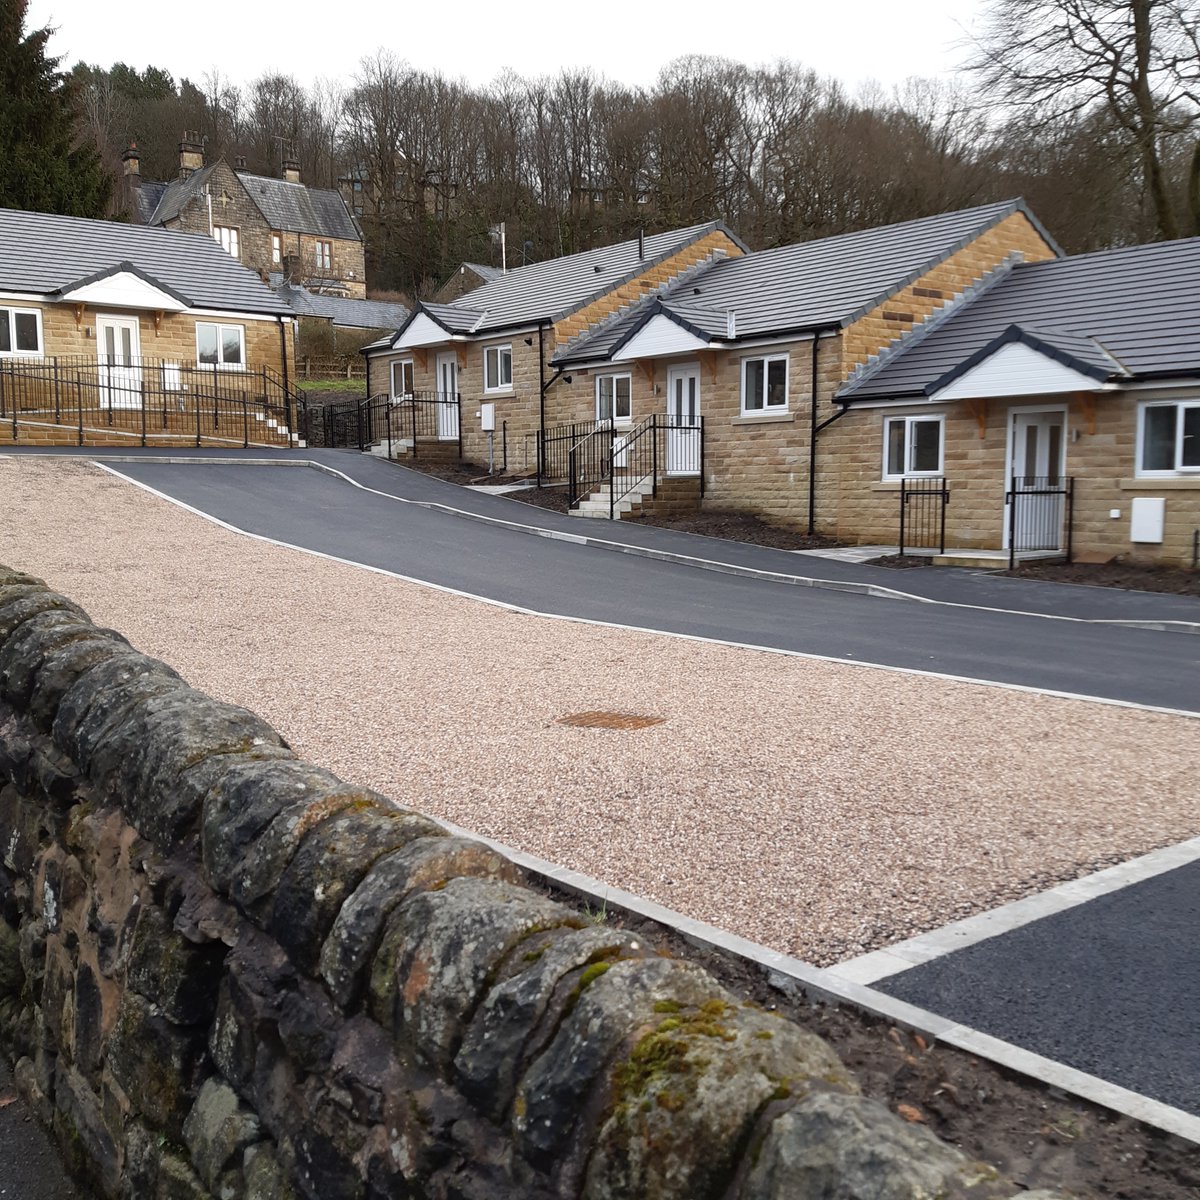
x=191, y=153
x=291, y=169
x=133, y=166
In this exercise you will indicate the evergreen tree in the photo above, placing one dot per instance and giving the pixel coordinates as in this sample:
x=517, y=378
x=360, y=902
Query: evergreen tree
x=45, y=166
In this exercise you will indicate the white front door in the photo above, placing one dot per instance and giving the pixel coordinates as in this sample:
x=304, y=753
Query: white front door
x=447, y=387
x=1038, y=447
x=683, y=420
x=119, y=350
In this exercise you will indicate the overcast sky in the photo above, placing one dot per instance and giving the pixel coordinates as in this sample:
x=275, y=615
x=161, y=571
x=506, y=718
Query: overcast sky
x=627, y=40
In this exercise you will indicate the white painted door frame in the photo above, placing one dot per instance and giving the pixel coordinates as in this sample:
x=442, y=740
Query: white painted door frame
x=119, y=353
x=1031, y=434
x=683, y=419
x=447, y=393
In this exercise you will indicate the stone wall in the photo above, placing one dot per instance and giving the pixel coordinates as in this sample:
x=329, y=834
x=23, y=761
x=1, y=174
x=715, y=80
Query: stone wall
x=226, y=973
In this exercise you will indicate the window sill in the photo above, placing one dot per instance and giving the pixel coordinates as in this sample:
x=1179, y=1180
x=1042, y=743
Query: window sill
x=1164, y=483
x=504, y=391
x=766, y=418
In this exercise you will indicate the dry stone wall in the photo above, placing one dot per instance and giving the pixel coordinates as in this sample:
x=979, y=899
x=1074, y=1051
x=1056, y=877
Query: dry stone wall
x=226, y=973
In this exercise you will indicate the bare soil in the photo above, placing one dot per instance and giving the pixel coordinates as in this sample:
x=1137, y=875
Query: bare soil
x=740, y=527
x=1137, y=577
x=1036, y=1137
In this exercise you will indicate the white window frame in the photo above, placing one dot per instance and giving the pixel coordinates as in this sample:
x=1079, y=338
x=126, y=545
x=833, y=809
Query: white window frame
x=13, y=312
x=502, y=385
x=277, y=249
x=612, y=378
x=412, y=371
x=323, y=252
x=1178, y=470
x=765, y=407
x=229, y=239
x=221, y=327
x=910, y=420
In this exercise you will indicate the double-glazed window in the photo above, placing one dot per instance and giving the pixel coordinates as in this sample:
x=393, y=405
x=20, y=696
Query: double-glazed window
x=765, y=384
x=1169, y=438
x=20, y=331
x=614, y=398
x=912, y=446
x=220, y=345
x=228, y=237
x=323, y=252
x=403, y=380
x=497, y=369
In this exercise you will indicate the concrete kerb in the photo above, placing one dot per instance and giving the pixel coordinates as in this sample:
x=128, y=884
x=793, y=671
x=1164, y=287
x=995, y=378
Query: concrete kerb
x=879, y=964
x=703, y=564
x=793, y=977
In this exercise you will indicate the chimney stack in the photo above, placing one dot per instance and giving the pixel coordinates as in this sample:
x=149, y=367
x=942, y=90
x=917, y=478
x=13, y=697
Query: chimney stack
x=291, y=170
x=191, y=153
x=291, y=267
x=239, y=163
x=133, y=165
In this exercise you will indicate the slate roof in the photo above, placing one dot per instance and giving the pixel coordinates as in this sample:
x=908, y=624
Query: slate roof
x=41, y=253
x=810, y=285
x=1133, y=311
x=355, y=314
x=551, y=289
x=485, y=273
x=145, y=200
x=298, y=208
x=177, y=194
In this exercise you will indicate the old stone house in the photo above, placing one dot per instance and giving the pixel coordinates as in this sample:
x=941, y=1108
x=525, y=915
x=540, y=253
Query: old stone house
x=116, y=334
x=273, y=226
x=466, y=278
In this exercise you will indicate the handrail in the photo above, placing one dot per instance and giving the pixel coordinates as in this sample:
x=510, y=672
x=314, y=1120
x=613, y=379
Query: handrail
x=626, y=459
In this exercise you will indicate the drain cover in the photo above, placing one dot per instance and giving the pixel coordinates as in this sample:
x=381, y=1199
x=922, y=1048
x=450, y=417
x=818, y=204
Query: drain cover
x=609, y=720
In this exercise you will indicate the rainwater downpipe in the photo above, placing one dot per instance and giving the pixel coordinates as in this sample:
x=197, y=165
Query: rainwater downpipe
x=813, y=430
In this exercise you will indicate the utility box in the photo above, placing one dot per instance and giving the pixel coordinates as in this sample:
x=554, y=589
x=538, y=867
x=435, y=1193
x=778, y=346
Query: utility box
x=487, y=418
x=1146, y=519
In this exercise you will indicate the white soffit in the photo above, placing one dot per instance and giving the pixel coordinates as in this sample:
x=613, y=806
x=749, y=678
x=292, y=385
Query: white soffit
x=424, y=331
x=1017, y=370
x=660, y=336
x=124, y=289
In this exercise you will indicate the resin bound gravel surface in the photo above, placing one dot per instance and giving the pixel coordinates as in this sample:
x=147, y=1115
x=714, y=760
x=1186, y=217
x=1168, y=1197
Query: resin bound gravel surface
x=819, y=808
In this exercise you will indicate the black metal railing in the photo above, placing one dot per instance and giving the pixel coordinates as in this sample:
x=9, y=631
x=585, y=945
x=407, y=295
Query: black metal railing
x=400, y=423
x=552, y=447
x=923, y=504
x=612, y=463
x=148, y=398
x=1041, y=515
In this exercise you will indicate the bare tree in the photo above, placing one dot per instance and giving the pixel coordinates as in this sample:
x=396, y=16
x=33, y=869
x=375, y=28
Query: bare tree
x=1054, y=60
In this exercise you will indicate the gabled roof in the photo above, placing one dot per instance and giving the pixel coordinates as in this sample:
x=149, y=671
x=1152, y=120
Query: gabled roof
x=177, y=194
x=44, y=254
x=808, y=286
x=124, y=267
x=1133, y=312
x=298, y=208
x=353, y=314
x=559, y=286
x=146, y=197
x=487, y=274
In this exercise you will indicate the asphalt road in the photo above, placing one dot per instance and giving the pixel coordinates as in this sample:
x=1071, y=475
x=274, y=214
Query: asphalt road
x=1111, y=987
x=317, y=511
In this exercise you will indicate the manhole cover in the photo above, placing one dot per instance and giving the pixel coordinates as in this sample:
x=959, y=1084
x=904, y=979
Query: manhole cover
x=609, y=720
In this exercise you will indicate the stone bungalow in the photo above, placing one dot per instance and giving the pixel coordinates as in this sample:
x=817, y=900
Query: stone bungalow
x=116, y=334
x=1074, y=381
x=496, y=347
x=745, y=344
x=273, y=226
